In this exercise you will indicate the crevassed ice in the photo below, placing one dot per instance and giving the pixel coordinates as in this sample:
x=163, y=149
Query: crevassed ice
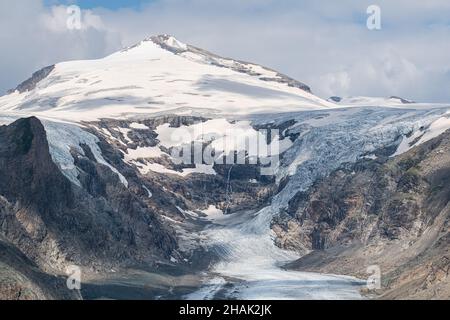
x=245, y=244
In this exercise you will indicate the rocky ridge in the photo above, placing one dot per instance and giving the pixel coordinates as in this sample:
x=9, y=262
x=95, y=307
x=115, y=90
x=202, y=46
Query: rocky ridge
x=390, y=212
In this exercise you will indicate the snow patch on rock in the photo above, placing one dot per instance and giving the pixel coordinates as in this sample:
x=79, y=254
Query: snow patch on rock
x=62, y=138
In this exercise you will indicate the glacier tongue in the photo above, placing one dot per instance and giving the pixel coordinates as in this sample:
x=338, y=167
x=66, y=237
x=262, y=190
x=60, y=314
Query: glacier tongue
x=244, y=241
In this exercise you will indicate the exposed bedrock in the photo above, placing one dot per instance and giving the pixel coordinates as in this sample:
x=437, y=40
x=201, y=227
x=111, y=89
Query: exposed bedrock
x=393, y=213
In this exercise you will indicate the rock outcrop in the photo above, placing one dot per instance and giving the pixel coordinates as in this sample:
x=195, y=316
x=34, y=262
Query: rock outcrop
x=99, y=225
x=31, y=83
x=22, y=279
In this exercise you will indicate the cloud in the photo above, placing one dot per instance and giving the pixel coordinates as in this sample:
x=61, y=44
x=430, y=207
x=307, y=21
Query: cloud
x=325, y=45
x=34, y=36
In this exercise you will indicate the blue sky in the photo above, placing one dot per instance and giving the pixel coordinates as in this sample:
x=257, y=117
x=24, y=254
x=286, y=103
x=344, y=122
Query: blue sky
x=109, y=4
x=324, y=44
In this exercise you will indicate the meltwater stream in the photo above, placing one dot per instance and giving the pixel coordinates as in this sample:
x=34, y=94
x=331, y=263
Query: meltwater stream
x=250, y=266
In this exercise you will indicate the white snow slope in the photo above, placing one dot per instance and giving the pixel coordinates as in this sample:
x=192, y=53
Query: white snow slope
x=158, y=75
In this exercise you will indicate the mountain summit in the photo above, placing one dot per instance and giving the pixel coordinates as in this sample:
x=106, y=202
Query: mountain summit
x=158, y=74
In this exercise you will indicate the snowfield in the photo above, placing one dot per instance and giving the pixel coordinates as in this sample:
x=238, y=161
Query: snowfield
x=148, y=79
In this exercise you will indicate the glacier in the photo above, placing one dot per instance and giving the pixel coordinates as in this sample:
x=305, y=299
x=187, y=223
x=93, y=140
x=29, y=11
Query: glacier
x=245, y=245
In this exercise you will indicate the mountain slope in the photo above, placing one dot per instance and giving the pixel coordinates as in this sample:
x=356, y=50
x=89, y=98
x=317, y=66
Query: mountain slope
x=99, y=224
x=391, y=213
x=21, y=278
x=159, y=74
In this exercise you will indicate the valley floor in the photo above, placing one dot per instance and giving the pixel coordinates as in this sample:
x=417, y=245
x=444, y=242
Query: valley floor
x=238, y=269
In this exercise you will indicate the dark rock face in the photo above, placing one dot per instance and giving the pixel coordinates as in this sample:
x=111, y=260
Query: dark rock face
x=38, y=185
x=55, y=223
x=390, y=212
x=405, y=101
x=31, y=83
x=21, y=278
x=336, y=99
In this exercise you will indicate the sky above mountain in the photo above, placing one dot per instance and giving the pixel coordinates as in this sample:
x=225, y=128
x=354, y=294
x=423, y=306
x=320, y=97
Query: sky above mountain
x=110, y=4
x=325, y=44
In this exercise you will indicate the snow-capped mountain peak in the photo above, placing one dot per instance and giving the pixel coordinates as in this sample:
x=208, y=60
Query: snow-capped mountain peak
x=164, y=41
x=159, y=74
x=170, y=42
